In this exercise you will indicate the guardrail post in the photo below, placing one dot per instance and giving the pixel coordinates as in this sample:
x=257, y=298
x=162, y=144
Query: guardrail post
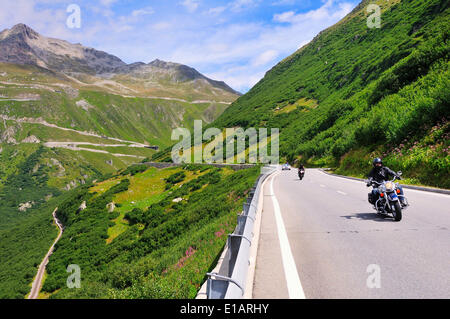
x=246, y=208
x=242, y=220
x=215, y=289
x=233, y=246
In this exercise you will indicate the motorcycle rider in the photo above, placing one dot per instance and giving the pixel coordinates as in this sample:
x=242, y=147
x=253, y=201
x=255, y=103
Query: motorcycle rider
x=381, y=173
x=301, y=171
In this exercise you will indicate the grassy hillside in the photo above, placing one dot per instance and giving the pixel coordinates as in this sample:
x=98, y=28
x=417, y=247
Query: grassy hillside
x=38, y=106
x=166, y=232
x=354, y=93
x=28, y=92
x=62, y=131
x=25, y=236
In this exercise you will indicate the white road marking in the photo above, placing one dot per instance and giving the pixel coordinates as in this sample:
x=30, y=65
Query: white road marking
x=423, y=192
x=406, y=189
x=294, y=285
x=342, y=193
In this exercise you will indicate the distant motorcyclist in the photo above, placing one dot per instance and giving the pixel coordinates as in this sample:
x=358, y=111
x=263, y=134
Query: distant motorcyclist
x=381, y=173
x=301, y=171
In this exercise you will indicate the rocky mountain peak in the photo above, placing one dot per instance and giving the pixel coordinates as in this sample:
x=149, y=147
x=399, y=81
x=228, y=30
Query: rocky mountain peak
x=19, y=30
x=22, y=45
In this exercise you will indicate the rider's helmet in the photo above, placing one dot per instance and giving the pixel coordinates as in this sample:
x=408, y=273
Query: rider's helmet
x=377, y=161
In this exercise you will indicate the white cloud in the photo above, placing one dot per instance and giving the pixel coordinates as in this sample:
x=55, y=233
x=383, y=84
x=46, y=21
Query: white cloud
x=161, y=26
x=51, y=21
x=107, y=3
x=240, y=54
x=239, y=5
x=234, y=6
x=143, y=11
x=238, y=78
x=217, y=10
x=190, y=5
x=265, y=58
x=284, y=17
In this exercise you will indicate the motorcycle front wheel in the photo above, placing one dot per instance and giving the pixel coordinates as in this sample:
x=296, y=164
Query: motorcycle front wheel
x=397, y=212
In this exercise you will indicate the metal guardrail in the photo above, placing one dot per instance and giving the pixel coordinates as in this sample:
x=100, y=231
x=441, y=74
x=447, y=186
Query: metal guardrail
x=229, y=281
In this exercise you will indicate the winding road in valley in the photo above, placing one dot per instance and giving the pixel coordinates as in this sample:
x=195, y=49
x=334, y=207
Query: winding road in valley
x=72, y=145
x=45, y=123
x=37, y=283
x=179, y=100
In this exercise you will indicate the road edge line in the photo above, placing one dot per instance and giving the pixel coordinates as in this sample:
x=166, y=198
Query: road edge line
x=294, y=285
x=255, y=244
x=413, y=187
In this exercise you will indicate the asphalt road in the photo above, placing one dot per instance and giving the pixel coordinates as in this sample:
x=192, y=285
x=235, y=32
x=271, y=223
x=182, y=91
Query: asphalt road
x=340, y=248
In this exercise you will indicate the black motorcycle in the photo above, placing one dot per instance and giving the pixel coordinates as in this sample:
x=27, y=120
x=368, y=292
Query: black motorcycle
x=388, y=202
x=301, y=173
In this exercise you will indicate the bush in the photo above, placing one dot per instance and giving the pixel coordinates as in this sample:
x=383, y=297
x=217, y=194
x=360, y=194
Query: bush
x=134, y=169
x=175, y=178
x=135, y=216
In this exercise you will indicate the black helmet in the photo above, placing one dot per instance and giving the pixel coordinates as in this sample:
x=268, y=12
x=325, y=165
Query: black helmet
x=377, y=161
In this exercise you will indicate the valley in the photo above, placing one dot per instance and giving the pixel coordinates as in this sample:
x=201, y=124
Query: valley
x=71, y=115
x=77, y=126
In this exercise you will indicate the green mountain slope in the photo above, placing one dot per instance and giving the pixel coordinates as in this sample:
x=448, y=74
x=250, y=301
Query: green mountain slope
x=86, y=131
x=167, y=230
x=92, y=113
x=354, y=93
x=90, y=106
x=70, y=115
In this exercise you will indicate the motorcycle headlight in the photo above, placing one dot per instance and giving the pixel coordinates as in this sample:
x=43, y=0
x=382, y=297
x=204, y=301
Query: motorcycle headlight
x=382, y=188
x=390, y=186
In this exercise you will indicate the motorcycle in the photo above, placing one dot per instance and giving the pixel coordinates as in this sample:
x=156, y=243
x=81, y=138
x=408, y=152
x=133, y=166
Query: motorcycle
x=388, y=202
x=301, y=173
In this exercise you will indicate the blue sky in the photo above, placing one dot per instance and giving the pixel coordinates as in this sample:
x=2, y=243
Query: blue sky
x=235, y=41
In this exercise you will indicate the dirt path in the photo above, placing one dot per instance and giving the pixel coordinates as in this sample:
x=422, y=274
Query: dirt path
x=37, y=283
x=20, y=100
x=177, y=99
x=45, y=123
x=73, y=146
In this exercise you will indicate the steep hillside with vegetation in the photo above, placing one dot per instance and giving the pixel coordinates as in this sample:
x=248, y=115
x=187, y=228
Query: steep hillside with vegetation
x=166, y=231
x=89, y=107
x=141, y=233
x=354, y=93
x=71, y=115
